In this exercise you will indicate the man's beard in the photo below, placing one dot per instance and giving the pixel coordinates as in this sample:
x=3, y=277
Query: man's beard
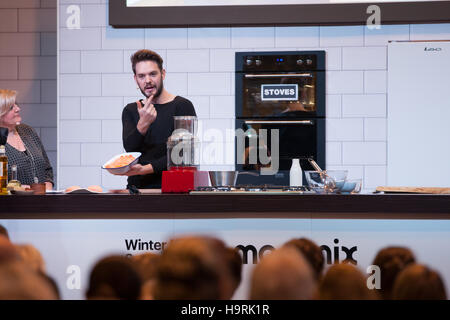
x=157, y=93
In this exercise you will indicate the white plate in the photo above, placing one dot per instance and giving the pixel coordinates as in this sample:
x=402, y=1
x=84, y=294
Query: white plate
x=124, y=169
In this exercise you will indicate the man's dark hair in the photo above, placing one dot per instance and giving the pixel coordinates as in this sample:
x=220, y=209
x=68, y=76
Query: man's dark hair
x=146, y=55
x=4, y=231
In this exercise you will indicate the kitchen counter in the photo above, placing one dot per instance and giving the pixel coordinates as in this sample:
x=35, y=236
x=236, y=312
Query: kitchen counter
x=183, y=206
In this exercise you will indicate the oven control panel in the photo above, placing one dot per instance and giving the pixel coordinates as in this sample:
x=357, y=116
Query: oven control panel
x=279, y=63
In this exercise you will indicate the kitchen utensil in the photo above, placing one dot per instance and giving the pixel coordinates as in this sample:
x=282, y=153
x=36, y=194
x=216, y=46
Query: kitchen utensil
x=223, y=178
x=329, y=183
x=183, y=158
x=227, y=178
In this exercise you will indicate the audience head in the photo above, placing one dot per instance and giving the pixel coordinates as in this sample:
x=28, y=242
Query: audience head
x=4, y=232
x=114, y=277
x=283, y=274
x=193, y=267
x=31, y=257
x=392, y=260
x=8, y=251
x=146, y=265
x=234, y=261
x=19, y=282
x=52, y=284
x=344, y=282
x=312, y=253
x=418, y=282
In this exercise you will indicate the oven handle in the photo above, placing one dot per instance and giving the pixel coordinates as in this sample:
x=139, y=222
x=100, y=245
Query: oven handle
x=273, y=75
x=279, y=122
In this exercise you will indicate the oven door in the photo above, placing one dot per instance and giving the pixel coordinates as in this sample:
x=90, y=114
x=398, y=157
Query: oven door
x=296, y=139
x=280, y=95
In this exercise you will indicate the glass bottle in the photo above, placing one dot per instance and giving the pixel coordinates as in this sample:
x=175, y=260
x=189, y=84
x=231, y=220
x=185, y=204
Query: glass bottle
x=3, y=171
x=13, y=183
x=295, y=175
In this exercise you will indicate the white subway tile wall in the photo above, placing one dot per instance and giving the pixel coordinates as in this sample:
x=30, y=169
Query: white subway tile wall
x=96, y=82
x=28, y=64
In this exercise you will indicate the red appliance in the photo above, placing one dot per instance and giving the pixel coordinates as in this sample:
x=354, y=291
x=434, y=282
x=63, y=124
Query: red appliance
x=182, y=158
x=183, y=179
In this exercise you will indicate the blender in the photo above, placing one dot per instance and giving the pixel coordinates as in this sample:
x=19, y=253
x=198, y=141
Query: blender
x=182, y=173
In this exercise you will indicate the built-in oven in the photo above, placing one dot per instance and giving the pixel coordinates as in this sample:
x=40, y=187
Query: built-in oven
x=280, y=110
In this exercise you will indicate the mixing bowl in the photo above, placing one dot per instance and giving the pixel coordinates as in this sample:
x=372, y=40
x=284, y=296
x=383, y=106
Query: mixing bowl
x=316, y=181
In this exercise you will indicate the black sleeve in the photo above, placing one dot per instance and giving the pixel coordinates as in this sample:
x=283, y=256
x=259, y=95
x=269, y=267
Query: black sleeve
x=159, y=165
x=131, y=137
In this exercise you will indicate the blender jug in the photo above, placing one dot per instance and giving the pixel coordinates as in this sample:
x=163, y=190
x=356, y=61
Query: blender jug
x=182, y=145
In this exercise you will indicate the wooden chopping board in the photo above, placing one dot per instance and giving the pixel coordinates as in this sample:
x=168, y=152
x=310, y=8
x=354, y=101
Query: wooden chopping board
x=429, y=190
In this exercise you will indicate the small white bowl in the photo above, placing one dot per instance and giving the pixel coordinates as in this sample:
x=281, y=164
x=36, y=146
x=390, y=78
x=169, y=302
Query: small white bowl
x=124, y=169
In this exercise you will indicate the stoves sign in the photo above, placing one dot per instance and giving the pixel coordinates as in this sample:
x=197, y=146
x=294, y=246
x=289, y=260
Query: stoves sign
x=279, y=92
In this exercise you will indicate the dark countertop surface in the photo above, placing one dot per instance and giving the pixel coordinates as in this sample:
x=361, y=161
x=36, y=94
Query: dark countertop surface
x=184, y=206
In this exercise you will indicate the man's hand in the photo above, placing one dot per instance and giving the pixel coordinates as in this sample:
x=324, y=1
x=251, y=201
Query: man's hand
x=138, y=170
x=147, y=115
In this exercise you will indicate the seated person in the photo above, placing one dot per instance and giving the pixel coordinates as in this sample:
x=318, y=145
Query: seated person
x=23, y=146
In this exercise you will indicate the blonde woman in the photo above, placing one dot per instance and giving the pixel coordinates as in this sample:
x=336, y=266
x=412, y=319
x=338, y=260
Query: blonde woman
x=23, y=146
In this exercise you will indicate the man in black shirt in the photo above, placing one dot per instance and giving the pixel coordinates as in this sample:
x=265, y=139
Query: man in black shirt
x=148, y=123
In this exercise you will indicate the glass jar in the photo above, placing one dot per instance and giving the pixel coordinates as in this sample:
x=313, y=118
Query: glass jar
x=183, y=145
x=182, y=151
x=13, y=184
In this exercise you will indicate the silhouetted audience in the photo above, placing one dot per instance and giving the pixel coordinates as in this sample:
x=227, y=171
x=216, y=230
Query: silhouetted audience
x=4, y=231
x=146, y=264
x=234, y=260
x=8, y=251
x=19, y=282
x=284, y=274
x=344, y=281
x=193, y=267
x=312, y=252
x=52, y=283
x=418, y=282
x=114, y=278
x=202, y=267
x=392, y=260
x=31, y=256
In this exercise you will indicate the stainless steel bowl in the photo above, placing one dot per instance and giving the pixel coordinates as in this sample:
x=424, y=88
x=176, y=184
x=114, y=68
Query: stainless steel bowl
x=223, y=178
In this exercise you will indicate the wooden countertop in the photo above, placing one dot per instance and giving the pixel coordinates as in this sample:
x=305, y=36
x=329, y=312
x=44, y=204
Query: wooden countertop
x=184, y=206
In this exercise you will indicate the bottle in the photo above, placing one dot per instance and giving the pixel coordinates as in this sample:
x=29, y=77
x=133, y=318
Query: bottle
x=295, y=175
x=3, y=171
x=13, y=184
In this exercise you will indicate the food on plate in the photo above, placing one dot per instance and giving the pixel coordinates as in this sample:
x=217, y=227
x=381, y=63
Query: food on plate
x=121, y=161
x=95, y=188
x=70, y=189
